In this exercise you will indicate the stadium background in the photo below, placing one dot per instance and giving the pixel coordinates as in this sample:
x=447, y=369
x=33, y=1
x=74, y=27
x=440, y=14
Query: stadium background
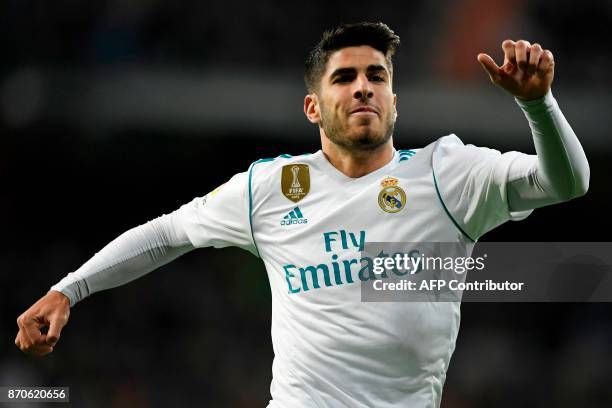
x=114, y=112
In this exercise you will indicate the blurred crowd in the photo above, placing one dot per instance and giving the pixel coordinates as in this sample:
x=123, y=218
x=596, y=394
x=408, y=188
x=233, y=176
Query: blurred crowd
x=273, y=36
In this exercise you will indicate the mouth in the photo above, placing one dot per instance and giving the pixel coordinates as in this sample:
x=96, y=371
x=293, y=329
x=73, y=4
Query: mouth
x=364, y=111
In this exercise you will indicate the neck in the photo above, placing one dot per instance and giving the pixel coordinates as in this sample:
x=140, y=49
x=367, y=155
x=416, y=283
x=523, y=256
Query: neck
x=356, y=163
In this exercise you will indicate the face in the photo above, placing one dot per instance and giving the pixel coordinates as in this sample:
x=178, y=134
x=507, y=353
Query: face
x=355, y=104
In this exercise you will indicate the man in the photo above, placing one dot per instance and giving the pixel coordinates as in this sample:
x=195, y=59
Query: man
x=309, y=217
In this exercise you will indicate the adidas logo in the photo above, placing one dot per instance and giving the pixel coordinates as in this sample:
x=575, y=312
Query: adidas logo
x=294, y=216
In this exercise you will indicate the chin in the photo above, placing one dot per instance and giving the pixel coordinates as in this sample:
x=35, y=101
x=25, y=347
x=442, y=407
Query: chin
x=363, y=136
x=368, y=140
x=367, y=132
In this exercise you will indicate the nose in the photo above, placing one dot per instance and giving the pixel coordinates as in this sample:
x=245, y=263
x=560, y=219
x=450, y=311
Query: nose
x=363, y=89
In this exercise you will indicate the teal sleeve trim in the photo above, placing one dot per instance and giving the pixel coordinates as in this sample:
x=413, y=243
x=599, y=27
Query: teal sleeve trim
x=285, y=156
x=251, y=201
x=251, y=209
x=446, y=209
x=406, y=154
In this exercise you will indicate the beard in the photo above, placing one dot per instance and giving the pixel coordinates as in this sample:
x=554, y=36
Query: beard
x=356, y=137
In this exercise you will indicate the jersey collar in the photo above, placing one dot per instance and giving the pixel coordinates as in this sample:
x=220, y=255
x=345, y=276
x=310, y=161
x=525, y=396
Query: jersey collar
x=342, y=178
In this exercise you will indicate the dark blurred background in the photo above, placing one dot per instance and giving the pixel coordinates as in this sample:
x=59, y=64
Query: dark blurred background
x=114, y=112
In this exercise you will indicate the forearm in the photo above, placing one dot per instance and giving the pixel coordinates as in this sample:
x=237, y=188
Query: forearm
x=559, y=172
x=130, y=256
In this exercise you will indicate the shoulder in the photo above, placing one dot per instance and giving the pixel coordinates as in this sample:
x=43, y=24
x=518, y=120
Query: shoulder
x=441, y=147
x=281, y=160
x=272, y=163
x=449, y=156
x=451, y=149
x=443, y=144
x=265, y=173
x=259, y=172
x=448, y=145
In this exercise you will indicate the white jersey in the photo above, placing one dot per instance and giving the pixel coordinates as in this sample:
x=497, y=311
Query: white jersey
x=309, y=222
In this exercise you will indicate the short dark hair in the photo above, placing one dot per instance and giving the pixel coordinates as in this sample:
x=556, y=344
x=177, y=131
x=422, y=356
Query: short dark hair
x=377, y=35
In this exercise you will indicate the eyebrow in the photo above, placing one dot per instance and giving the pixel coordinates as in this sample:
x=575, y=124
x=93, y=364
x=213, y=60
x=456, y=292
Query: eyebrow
x=369, y=69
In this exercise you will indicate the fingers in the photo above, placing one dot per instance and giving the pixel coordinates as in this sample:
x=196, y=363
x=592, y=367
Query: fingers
x=51, y=310
x=527, y=72
x=29, y=338
x=535, y=54
x=29, y=330
x=489, y=66
x=55, y=328
x=509, y=54
x=547, y=63
x=527, y=57
x=38, y=350
x=521, y=51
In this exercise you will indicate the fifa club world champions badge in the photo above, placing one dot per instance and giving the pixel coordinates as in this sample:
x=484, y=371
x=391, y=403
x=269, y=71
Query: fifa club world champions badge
x=295, y=181
x=391, y=198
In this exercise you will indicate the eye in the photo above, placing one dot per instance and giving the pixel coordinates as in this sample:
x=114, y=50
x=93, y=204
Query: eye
x=343, y=79
x=377, y=78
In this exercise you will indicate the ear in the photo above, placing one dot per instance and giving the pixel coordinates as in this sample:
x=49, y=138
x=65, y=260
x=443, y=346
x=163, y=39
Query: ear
x=311, y=108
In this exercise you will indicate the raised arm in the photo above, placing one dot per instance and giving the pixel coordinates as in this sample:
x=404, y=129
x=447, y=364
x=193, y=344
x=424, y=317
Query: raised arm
x=560, y=171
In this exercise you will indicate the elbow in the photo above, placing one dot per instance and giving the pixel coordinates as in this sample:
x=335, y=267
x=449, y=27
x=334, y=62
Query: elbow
x=579, y=191
x=582, y=175
x=581, y=184
x=578, y=187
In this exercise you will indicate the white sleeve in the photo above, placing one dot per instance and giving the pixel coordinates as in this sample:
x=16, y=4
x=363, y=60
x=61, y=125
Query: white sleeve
x=483, y=188
x=471, y=182
x=217, y=219
x=222, y=217
x=559, y=172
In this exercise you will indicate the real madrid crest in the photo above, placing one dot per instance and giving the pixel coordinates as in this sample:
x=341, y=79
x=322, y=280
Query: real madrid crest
x=391, y=198
x=295, y=181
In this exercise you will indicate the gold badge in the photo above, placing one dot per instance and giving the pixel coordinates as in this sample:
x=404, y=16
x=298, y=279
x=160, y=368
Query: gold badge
x=391, y=198
x=295, y=181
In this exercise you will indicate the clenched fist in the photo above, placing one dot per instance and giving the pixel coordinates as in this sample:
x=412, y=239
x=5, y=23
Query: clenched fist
x=51, y=311
x=527, y=72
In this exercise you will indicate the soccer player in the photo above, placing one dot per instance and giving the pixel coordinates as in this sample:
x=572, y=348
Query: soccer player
x=308, y=217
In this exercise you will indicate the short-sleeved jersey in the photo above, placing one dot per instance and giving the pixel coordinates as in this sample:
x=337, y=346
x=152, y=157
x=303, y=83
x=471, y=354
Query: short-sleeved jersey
x=309, y=223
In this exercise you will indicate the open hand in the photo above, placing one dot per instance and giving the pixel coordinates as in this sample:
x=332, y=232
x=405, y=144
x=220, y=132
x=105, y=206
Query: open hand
x=527, y=72
x=51, y=311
